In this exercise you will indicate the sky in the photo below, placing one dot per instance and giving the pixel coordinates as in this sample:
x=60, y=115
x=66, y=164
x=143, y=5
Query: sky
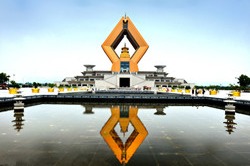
x=205, y=42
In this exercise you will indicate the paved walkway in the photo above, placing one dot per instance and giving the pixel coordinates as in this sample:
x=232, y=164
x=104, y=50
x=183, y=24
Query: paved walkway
x=224, y=94
x=44, y=91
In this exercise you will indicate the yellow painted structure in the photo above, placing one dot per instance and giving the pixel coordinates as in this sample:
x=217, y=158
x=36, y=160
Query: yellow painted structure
x=236, y=93
x=213, y=92
x=69, y=89
x=60, y=89
x=35, y=90
x=50, y=89
x=124, y=152
x=173, y=90
x=179, y=90
x=125, y=27
x=12, y=90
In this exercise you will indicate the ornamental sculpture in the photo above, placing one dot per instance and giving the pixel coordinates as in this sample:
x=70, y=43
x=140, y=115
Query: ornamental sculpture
x=129, y=64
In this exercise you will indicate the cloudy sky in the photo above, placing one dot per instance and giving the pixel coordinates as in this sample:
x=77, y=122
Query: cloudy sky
x=203, y=41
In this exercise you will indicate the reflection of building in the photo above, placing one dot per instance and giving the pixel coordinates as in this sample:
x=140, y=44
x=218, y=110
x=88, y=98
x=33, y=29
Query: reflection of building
x=230, y=114
x=124, y=115
x=160, y=111
x=18, y=114
x=230, y=117
x=88, y=110
x=124, y=71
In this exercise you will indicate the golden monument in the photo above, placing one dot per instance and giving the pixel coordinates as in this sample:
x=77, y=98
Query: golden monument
x=124, y=115
x=129, y=64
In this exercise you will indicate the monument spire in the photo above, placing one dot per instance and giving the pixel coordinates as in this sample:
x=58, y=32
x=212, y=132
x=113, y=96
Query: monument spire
x=125, y=27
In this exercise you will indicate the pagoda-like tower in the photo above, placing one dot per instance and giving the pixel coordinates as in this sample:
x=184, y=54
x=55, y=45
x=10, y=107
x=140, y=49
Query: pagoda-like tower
x=125, y=27
x=124, y=59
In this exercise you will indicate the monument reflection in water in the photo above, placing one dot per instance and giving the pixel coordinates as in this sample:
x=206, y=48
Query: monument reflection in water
x=124, y=115
x=104, y=134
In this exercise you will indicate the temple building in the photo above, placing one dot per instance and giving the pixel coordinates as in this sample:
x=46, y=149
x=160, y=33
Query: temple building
x=124, y=72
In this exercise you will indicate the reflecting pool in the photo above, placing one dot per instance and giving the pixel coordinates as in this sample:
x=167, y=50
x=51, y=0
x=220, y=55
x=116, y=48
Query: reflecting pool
x=60, y=134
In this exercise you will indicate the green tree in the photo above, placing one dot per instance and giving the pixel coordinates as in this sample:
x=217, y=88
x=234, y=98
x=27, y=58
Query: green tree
x=14, y=84
x=36, y=84
x=4, y=78
x=243, y=80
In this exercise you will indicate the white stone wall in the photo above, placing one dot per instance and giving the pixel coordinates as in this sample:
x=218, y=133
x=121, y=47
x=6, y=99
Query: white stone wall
x=140, y=81
x=110, y=81
x=113, y=81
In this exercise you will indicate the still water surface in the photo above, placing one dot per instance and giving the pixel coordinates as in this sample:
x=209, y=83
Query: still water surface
x=58, y=134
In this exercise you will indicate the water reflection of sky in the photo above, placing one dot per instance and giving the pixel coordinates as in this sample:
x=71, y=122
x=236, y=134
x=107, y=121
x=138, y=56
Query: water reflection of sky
x=67, y=135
